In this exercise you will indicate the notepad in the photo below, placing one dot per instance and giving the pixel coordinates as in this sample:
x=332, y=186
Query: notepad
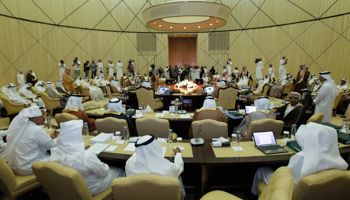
x=159, y=115
x=162, y=140
x=98, y=148
x=185, y=116
x=130, y=147
x=101, y=138
x=111, y=148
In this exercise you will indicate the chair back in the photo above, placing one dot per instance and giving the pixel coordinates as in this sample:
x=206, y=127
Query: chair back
x=146, y=187
x=111, y=125
x=227, y=98
x=288, y=89
x=154, y=126
x=10, y=106
x=50, y=103
x=146, y=96
x=266, y=88
x=266, y=125
x=33, y=90
x=328, y=184
x=7, y=178
x=64, y=117
x=338, y=98
x=280, y=186
x=317, y=118
x=84, y=91
x=209, y=129
x=61, y=182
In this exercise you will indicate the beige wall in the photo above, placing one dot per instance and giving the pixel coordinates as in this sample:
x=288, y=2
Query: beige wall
x=321, y=45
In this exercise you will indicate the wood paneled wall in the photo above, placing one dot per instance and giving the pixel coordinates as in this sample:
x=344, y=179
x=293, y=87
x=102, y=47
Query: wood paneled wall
x=321, y=45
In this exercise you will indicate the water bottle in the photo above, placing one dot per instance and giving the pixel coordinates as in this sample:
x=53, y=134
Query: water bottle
x=48, y=123
x=86, y=130
x=285, y=136
x=170, y=138
x=233, y=139
x=126, y=134
x=344, y=125
x=293, y=131
x=238, y=138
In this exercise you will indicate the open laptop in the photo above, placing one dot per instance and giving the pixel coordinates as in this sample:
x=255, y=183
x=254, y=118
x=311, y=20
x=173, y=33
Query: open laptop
x=249, y=109
x=162, y=89
x=265, y=141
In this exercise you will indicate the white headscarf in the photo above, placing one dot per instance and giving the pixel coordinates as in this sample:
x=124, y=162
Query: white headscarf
x=220, y=83
x=116, y=84
x=38, y=86
x=97, y=80
x=86, y=82
x=327, y=75
x=16, y=130
x=59, y=84
x=262, y=103
x=13, y=95
x=115, y=105
x=209, y=102
x=74, y=102
x=70, y=144
x=78, y=81
x=146, y=84
x=52, y=87
x=320, y=151
x=104, y=81
x=32, y=73
x=148, y=159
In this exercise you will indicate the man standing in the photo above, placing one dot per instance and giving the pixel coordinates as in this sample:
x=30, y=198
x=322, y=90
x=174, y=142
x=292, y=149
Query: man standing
x=99, y=68
x=293, y=112
x=282, y=70
x=93, y=68
x=62, y=67
x=27, y=141
x=119, y=69
x=31, y=77
x=271, y=72
x=228, y=66
x=259, y=68
x=76, y=67
x=325, y=96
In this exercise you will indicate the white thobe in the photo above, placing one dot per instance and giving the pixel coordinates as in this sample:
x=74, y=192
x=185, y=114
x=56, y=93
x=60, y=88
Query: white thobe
x=324, y=101
x=99, y=69
x=166, y=72
x=30, y=148
x=343, y=87
x=21, y=81
x=110, y=69
x=282, y=73
x=258, y=70
x=229, y=64
x=29, y=94
x=62, y=69
x=272, y=72
x=119, y=70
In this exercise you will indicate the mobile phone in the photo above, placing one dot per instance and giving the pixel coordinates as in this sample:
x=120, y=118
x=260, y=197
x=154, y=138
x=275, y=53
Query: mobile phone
x=87, y=147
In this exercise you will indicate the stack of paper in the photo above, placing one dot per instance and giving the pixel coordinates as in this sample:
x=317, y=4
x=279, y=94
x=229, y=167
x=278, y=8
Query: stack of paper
x=101, y=138
x=98, y=148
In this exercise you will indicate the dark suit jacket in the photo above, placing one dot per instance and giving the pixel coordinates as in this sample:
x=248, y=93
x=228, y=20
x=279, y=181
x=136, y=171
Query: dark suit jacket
x=296, y=116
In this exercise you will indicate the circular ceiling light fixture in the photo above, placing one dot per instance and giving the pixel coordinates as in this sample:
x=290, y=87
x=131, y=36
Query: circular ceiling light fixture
x=186, y=15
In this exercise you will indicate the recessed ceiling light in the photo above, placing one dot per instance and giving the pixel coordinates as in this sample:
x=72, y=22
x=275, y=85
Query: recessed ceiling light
x=171, y=27
x=217, y=21
x=160, y=25
x=211, y=24
x=185, y=27
x=199, y=26
x=154, y=22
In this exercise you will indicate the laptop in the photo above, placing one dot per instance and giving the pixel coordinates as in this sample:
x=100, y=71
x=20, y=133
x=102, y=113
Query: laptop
x=162, y=89
x=249, y=109
x=265, y=141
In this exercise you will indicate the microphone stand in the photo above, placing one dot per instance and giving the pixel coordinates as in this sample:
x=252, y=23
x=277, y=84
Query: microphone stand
x=182, y=111
x=197, y=141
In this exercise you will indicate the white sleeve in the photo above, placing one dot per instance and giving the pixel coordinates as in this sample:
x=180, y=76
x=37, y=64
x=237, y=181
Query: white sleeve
x=178, y=164
x=320, y=94
x=44, y=140
x=98, y=168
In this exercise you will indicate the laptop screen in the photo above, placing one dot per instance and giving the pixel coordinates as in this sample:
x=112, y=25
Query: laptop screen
x=249, y=109
x=209, y=89
x=162, y=89
x=264, y=138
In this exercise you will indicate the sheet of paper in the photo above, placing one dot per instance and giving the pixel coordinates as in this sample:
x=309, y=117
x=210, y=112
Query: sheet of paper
x=185, y=116
x=130, y=147
x=166, y=111
x=119, y=142
x=164, y=151
x=98, y=148
x=162, y=140
x=102, y=108
x=159, y=115
x=111, y=148
x=137, y=116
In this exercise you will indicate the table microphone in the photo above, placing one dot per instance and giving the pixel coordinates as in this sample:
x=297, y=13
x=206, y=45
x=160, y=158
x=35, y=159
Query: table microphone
x=197, y=141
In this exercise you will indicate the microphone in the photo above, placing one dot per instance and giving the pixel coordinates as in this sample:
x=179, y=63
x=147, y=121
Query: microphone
x=197, y=141
x=226, y=103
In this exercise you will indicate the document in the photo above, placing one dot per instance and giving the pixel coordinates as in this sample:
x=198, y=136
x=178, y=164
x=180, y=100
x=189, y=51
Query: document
x=130, y=147
x=98, y=148
x=111, y=148
x=101, y=138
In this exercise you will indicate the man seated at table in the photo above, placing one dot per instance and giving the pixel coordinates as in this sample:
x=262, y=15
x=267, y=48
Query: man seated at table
x=208, y=111
x=75, y=107
x=27, y=141
x=343, y=84
x=148, y=159
x=27, y=93
x=319, y=152
x=277, y=90
x=293, y=112
x=11, y=91
x=115, y=109
x=262, y=112
x=70, y=152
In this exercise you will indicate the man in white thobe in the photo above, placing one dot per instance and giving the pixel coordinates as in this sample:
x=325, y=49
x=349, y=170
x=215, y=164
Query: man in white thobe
x=343, y=84
x=99, y=68
x=40, y=86
x=259, y=68
x=262, y=112
x=319, y=152
x=27, y=141
x=110, y=68
x=20, y=79
x=282, y=69
x=76, y=67
x=11, y=91
x=119, y=69
x=148, y=159
x=27, y=92
x=229, y=66
x=271, y=72
x=325, y=96
x=70, y=152
x=62, y=67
